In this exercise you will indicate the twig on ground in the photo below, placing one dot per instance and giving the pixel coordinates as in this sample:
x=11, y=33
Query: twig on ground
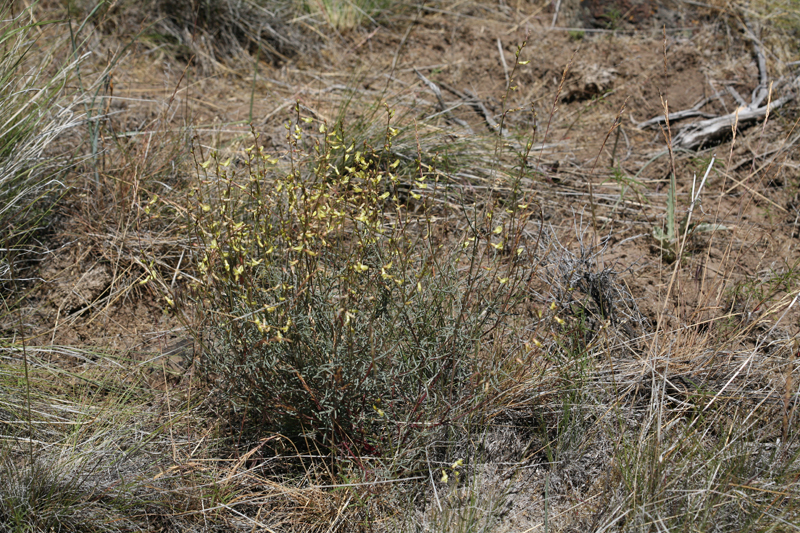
x=503, y=61
x=693, y=111
x=444, y=109
x=736, y=96
x=479, y=107
x=760, y=92
x=555, y=14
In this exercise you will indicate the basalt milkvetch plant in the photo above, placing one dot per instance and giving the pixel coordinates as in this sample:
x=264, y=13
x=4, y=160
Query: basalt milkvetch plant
x=329, y=313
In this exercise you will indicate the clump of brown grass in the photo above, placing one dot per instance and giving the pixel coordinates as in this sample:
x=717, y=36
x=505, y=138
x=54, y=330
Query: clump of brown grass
x=210, y=32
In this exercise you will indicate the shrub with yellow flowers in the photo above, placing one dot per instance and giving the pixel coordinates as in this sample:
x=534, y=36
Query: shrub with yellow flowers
x=329, y=314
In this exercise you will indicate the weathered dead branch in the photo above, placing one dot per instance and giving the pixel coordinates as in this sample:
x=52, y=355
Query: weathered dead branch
x=479, y=108
x=714, y=128
x=696, y=135
x=443, y=108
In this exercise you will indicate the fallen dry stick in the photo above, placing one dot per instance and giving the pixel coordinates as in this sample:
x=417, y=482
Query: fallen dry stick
x=714, y=128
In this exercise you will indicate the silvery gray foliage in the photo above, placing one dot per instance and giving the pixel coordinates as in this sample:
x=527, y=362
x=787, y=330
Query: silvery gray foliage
x=580, y=287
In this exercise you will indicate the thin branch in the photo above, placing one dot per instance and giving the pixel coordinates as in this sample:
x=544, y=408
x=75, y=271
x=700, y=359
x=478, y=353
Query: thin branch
x=736, y=96
x=503, y=61
x=694, y=111
x=555, y=14
x=760, y=92
x=476, y=103
x=438, y=93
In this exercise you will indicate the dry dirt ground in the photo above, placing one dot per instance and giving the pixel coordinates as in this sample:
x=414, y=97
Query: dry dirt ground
x=624, y=60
